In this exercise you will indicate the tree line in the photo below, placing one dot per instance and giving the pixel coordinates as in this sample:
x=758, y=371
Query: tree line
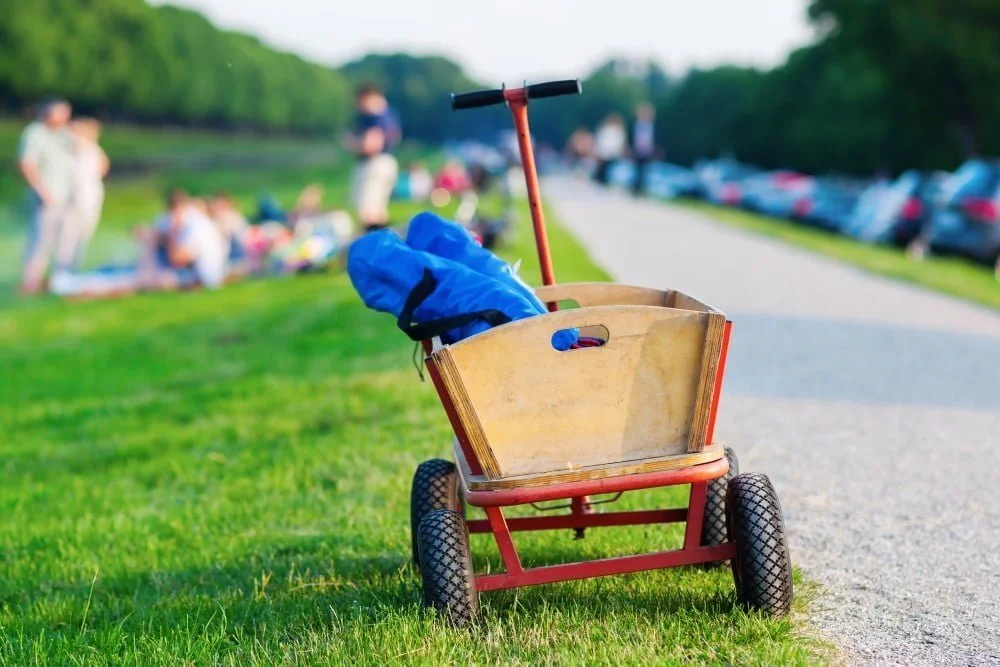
x=126, y=59
x=887, y=85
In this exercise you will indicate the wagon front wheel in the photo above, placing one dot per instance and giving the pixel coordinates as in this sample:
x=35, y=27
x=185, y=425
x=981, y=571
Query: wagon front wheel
x=435, y=487
x=762, y=569
x=449, y=584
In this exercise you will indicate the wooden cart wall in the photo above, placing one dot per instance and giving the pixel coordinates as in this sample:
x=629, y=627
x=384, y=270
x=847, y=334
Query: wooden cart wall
x=527, y=409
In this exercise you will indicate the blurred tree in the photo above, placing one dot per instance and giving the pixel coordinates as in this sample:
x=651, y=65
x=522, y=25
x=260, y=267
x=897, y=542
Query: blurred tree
x=941, y=59
x=419, y=87
x=124, y=58
x=707, y=113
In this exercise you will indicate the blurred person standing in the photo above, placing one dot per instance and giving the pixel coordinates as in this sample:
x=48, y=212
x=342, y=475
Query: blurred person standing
x=46, y=162
x=90, y=166
x=643, y=143
x=609, y=145
x=580, y=147
x=377, y=133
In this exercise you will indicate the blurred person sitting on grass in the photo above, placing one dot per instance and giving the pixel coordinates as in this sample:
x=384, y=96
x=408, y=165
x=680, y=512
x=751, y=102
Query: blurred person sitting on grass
x=183, y=249
x=231, y=224
x=46, y=161
x=376, y=135
x=421, y=181
x=308, y=205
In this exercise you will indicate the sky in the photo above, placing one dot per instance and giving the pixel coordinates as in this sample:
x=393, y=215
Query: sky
x=511, y=40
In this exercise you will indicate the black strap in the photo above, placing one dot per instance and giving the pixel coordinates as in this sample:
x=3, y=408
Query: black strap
x=427, y=330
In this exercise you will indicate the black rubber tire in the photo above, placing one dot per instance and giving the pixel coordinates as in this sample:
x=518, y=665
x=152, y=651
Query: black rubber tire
x=435, y=487
x=713, y=529
x=446, y=567
x=762, y=569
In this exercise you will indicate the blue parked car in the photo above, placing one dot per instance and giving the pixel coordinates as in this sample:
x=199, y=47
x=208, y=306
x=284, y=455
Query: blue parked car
x=774, y=193
x=670, y=181
x=720, y=181
x=968, y=221
x=826, y=204
x=896, y=212
x=621, y=174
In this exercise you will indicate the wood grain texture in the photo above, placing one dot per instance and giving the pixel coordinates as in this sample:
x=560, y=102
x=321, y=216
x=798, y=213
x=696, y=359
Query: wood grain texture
x=529, y=408
x=465, y=410
x=673, y=462
x=612, y=294
x=603, y=294
x=687, y=302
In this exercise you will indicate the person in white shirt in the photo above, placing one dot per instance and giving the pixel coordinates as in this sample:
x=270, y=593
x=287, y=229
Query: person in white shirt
x=187, y=248
x=643, y=143
x=609, y=145
x=90, y=166
x=45, y=160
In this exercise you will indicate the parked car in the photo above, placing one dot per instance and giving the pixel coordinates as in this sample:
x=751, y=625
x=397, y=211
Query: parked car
x=774, y=193
x=896, y=212
x=670, y=180
x=967, y=222
x=720, y=181
x=826, y=203
x=621, y=174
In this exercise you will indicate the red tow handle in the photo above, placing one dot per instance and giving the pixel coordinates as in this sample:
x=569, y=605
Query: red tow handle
x=517, y=101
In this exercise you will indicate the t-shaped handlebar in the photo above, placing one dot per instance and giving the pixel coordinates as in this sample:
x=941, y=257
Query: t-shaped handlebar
x=486, y=98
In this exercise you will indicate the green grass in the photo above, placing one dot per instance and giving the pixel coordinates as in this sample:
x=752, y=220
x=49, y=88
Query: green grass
x=223, y=477
x=954, y=276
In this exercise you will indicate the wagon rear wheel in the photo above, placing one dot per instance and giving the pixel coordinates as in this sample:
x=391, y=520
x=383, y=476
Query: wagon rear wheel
x=762, y=568
x=449, y=584
x=713, y=527
x=435, y=487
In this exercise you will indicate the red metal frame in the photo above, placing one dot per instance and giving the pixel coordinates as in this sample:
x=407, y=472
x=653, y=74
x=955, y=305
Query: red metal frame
x=582, y=514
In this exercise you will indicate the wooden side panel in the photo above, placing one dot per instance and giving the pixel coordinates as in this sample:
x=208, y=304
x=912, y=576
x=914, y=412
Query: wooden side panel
x=465, y=411
x=603, y=294
x=682, y=300
x=611, y=294
x=710, y=355
x=530, y=409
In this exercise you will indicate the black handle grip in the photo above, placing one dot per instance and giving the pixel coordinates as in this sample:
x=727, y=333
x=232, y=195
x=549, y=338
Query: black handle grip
x=478, y=98
x=554, y=89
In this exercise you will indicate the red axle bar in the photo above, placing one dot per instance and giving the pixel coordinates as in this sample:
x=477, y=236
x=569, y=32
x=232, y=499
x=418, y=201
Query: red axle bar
x=605, y=567
x=634, y=518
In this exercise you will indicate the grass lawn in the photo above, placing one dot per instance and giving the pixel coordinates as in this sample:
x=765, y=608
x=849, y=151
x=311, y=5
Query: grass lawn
x=954, y=276
x=224, y=478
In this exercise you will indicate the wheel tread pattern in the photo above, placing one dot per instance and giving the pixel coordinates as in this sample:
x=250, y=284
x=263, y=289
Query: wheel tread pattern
x=435, y=487
x=713, y=528
x=446, y=565
x=763, y=568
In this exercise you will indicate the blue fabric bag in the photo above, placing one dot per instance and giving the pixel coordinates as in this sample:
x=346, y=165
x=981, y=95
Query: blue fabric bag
x=432, y=233
x=434, y=296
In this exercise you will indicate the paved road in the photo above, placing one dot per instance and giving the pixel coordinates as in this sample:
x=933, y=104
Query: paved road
x=874, y=406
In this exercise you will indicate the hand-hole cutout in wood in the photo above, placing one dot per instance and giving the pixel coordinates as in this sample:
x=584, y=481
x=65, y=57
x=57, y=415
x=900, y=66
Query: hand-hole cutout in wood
x=589, y=336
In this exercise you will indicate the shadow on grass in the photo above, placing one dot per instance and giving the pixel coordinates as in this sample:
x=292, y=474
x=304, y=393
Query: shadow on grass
x=303, y=587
